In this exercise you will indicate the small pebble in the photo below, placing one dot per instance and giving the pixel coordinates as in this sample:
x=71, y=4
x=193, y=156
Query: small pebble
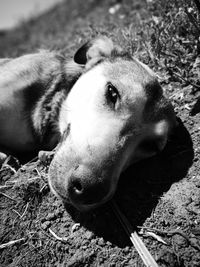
x=75, y=227
x=51, y=216
x=126, y=249
x=46, y=225
x=89, y=235
x=45, y=157
x=101, y=242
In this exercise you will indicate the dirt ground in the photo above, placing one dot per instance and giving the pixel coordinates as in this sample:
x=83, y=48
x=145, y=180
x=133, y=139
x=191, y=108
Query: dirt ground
x=160, y=195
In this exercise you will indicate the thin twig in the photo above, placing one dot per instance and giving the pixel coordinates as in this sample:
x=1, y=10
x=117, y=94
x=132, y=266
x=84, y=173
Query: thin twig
x=192, y=20
x=135, y=239
x=9, y=167
x=43, y=188
x=155, y=236
x=63, y=239
x=3, y=194
x=38, y=173
x=3, y=187
x=185, y=80
x=25, y=210
x=31, y=161
x=171, y=233
x=17, y=212
x=197, y=3
x=40, y=176
x=11, y=243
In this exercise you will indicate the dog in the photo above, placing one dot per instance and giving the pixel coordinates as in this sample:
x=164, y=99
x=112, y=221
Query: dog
x=104, y=110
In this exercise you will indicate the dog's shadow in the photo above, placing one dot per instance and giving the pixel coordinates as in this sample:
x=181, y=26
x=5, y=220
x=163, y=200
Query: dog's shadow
x=140, y=188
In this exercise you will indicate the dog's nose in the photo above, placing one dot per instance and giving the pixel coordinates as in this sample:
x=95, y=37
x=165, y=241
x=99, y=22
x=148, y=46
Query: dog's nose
x=161, y=131
x=85, y=191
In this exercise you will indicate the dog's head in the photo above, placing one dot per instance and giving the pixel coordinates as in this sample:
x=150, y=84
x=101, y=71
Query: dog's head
x=115, y=115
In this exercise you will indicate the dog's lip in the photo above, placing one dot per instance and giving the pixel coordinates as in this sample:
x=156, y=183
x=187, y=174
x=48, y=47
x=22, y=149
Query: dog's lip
x=86, y=207
x=83, y=207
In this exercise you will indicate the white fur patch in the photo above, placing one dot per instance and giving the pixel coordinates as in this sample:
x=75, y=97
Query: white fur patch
x=91, y=122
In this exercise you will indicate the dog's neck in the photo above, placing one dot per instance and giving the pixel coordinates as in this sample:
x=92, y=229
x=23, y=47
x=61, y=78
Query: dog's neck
x=45, y=115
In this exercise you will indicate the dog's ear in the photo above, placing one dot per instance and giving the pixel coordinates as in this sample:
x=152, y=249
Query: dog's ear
x=95, y=49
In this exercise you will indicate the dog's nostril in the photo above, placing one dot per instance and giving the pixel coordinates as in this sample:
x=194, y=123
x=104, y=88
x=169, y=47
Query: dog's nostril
x=77, y=187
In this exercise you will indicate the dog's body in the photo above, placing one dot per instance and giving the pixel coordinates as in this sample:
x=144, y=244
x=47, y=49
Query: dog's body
x=32, y=88
x=105, y=108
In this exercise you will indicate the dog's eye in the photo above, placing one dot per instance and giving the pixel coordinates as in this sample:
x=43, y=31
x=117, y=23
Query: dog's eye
x=112, y=95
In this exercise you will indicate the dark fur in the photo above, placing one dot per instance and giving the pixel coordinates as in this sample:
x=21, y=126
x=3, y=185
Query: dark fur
x=43, y=96
x=51, y=101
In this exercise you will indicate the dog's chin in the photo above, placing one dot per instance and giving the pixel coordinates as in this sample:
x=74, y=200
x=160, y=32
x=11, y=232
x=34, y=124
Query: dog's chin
x=83, y=207
x=80, y=207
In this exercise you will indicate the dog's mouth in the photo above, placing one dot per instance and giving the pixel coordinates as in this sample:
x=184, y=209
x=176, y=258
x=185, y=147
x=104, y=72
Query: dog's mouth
x=86, y=207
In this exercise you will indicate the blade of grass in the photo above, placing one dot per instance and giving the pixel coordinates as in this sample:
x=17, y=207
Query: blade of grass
x=135, y=239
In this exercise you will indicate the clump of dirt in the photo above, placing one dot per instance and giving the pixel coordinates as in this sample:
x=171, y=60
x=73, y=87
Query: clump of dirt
x=159, y=196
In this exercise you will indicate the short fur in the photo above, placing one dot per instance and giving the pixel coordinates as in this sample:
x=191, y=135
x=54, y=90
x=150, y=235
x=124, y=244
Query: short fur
x=37, y=89
x=45, y=83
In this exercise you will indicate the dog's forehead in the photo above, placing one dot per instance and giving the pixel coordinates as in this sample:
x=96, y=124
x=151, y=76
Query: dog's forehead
x=129, y=71
x=135, y=80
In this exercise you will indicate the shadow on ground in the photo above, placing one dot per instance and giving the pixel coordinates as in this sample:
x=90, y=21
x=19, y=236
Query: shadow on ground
x=140, y=188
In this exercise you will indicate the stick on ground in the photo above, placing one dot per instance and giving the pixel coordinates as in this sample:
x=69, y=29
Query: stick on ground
x=135, y=239
x=11, y=243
